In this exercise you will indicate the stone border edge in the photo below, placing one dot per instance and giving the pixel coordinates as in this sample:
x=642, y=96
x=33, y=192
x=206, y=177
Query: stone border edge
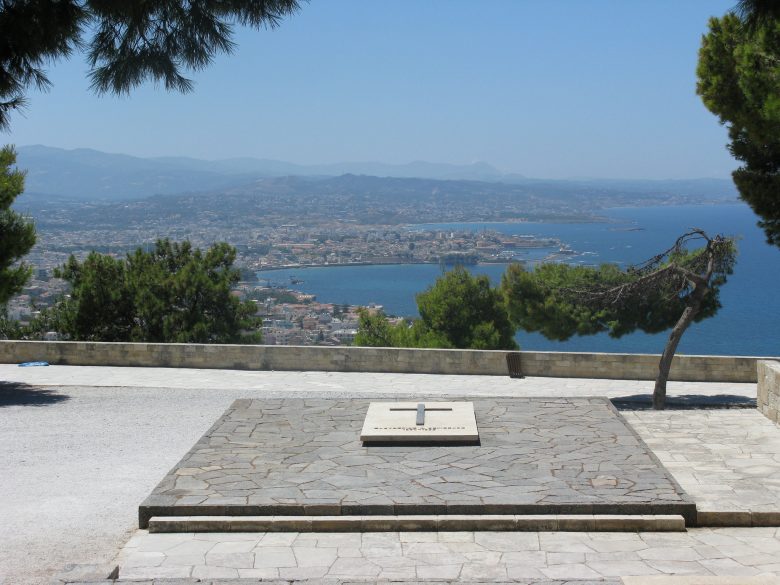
x=431, y=522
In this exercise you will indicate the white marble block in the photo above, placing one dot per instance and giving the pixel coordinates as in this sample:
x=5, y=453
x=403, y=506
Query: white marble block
x=420, y=422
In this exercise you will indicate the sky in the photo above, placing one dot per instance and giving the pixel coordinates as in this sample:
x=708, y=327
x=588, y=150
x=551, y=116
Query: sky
x=546, y=88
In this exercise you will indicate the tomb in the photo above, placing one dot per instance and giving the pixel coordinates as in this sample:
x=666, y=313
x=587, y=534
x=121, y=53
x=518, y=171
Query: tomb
x=302, y=456
x=393, y=423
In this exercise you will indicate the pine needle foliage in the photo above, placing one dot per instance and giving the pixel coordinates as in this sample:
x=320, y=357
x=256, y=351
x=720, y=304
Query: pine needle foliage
x=675, y=288
x=17, y=233
x=739, y=81
x=126, y=42
x=172, y=294
x=458, y=311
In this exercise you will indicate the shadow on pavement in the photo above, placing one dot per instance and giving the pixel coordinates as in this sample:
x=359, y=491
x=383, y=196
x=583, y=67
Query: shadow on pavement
x=684, y=402
x=20, y=394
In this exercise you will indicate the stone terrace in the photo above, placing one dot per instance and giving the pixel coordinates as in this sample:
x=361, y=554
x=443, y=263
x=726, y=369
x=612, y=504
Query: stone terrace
x=82, y=446
x=300, y=456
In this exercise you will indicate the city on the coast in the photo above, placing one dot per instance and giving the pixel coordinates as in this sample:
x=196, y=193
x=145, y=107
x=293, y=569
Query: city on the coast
x=290, y=316
x=346, y=221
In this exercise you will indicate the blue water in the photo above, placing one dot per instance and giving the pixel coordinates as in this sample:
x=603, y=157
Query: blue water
x=748, y=323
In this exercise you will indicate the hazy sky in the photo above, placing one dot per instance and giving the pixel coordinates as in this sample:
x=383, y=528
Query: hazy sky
x=547, y=88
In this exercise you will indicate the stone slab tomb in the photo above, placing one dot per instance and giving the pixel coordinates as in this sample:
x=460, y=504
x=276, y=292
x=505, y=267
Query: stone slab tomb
x=296, y=456
x=396, y=423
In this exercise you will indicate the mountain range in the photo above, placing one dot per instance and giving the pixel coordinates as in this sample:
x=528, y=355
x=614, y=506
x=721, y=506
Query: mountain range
x=89, y=175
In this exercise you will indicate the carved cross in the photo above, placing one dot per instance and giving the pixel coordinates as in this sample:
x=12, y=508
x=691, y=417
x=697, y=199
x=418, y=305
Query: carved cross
x=421, y=412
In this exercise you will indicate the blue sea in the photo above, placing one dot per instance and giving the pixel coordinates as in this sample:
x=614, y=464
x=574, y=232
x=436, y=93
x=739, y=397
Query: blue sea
x=748, y=323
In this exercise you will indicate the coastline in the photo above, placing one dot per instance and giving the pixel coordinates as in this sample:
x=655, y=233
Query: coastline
x=739, y=328
x=306, y=266
x=562, y=221
x=601, y=217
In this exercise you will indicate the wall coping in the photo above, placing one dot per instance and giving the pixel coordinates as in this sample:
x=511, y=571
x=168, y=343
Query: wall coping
x=362, y=348
x=633, y=366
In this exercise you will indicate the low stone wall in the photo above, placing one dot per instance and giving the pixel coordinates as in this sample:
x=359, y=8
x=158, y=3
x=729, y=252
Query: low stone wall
x=768, y=393
x=375, y=359
x=637, y=366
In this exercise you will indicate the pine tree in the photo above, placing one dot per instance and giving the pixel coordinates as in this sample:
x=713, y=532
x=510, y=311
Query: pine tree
x=739, y=81
x=172, y=294
x=17, y=233
x=670, y=291
x=458, y=311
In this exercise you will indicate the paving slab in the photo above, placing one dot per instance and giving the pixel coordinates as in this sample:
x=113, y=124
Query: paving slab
x=728, y=461
x=294, y=456
x=536, y=557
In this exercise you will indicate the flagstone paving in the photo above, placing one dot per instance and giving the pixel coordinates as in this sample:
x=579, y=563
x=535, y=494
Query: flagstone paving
x=83, y=445
x=726, y=460
x=304, y=456
x=463, y=556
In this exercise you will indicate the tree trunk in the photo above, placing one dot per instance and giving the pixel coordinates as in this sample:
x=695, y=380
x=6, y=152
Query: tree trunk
x=659, y=392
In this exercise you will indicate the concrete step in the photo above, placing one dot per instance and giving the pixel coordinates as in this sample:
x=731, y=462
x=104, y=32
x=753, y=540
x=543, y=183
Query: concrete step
x=737, y=518
x=453, y=523
x=701, y=580
x=643, y=580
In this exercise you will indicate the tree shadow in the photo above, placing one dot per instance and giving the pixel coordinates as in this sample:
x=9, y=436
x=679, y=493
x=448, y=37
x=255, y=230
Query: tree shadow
x=20, y=394
x=684, y=402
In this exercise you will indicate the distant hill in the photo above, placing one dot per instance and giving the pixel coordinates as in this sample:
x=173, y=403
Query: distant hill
x=85, y=174
x=274, y=168
x=88, y=175
x=364, y=200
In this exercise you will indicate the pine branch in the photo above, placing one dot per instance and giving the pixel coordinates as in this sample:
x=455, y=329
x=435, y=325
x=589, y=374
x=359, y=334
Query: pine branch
x=663, y=272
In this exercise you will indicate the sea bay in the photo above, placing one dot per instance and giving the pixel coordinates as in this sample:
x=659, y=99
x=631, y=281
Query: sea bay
x=748, y=323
